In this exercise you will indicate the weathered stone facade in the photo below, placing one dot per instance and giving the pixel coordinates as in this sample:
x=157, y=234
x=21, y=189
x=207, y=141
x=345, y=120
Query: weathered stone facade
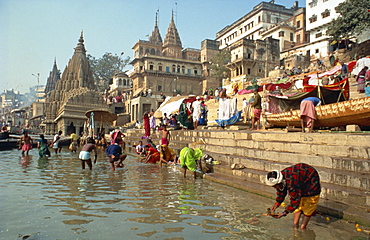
x=73, y=96
x=253, y=59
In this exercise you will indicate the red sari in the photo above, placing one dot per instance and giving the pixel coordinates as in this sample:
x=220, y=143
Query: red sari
x=146, y=125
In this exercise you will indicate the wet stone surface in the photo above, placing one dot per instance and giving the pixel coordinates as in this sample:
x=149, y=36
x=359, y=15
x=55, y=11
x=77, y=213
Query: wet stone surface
x=55, y=199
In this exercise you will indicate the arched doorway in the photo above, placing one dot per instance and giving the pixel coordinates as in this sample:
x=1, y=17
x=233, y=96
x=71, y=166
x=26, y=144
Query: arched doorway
x=71, y=129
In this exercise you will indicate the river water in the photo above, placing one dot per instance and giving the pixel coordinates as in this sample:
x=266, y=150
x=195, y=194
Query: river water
x=55, y=199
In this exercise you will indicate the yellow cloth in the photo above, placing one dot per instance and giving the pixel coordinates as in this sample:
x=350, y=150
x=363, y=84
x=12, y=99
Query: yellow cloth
x=167, y=153
x=74, y=137
x=308, y=205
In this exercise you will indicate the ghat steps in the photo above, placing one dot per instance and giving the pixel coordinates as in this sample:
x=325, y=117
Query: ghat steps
x=342, y=160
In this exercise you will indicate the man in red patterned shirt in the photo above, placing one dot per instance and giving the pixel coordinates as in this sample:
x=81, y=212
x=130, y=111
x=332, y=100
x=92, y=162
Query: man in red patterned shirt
x=302, y=181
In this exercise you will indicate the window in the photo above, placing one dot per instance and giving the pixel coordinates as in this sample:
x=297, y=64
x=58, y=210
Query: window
x=259, y=19
x=167, y=69
x=317, y=51
x=313, y=3
x=291, y=37
x=195, y=71
x=298, y=24
x=259, y=70
x=318, y=35
x=173, y=68
x=236, y=56
x=151, y=66
x=249, y=71
x=189, y=71
x=325, y=14
x=160, y=67
x=313, y=18
x=159, y=88
x=183, y=69
x=178, y=68
x=298, y=38
x=281, y=34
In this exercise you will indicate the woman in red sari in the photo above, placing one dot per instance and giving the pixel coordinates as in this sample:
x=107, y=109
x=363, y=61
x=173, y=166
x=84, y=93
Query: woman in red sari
x=146, y=125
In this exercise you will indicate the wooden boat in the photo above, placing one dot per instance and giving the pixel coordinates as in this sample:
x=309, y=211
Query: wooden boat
x=339, y=114
x=7, y=144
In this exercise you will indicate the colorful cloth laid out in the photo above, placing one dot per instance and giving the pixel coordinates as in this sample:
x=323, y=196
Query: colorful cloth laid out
x=224, y=109
x=235, y=118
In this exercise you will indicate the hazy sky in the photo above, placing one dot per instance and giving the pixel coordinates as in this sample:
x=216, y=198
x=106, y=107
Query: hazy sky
x=34, y=32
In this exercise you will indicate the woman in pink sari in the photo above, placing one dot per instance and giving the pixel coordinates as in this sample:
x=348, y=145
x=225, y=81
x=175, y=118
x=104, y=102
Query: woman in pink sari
x=361, y=80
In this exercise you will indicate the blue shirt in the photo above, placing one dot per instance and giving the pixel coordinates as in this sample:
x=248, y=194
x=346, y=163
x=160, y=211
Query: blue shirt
x=314, y=100
x=113, y=150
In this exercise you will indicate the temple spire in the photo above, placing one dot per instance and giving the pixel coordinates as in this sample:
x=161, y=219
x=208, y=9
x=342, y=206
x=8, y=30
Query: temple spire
x=156, y=37
x=80, y=45
x=172, y=36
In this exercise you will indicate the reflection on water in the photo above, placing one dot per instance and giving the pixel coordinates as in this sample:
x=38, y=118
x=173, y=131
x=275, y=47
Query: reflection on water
x=52, y=198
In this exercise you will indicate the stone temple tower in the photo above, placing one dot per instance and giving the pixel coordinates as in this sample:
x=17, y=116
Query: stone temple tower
x=54, y=76
x=73, y=96
x=172, y=46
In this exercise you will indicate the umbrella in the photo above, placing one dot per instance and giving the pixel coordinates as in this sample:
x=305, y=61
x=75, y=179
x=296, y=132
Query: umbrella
x=101, y=115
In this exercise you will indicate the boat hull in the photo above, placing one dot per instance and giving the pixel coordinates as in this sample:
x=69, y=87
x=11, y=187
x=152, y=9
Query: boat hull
x=331, y=115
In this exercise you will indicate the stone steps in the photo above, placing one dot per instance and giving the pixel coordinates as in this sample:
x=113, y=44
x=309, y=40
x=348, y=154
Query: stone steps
x=342, y=160
x=345, y=197
x=351, y=212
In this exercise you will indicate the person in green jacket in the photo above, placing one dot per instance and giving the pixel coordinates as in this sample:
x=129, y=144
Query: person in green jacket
x=189, y=158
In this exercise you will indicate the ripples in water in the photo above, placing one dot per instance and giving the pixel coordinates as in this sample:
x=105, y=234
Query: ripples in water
x=54, y=199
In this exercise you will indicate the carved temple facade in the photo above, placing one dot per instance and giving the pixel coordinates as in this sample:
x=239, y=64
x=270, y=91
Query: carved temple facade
x=73, y=96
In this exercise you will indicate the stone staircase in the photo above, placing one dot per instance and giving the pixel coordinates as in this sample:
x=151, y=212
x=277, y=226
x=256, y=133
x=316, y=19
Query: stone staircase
x=342, y=160
x=353, y=89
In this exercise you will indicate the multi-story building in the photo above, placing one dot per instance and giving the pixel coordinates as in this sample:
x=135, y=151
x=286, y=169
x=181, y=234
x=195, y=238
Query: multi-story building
x=319, y=14
x=251, y=26
x=256, y=40
x=252, y=59
x=163, y=68
x=297, y=55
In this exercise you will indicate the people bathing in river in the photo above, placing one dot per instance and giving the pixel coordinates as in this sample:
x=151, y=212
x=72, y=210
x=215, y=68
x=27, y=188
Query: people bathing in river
x=114, y=152
x=85, y=154
x=25, y=143
x=43, y=146
x=302, y=182
x=139, y=148
x=74, y=142
x=189, y=158
x=308, y=112
x=117, y=134
x=152, y=154
x=167, y=155
x=56, y=142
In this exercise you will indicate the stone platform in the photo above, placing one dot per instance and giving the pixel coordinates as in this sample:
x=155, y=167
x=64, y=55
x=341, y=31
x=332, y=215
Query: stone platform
x=342, y=160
